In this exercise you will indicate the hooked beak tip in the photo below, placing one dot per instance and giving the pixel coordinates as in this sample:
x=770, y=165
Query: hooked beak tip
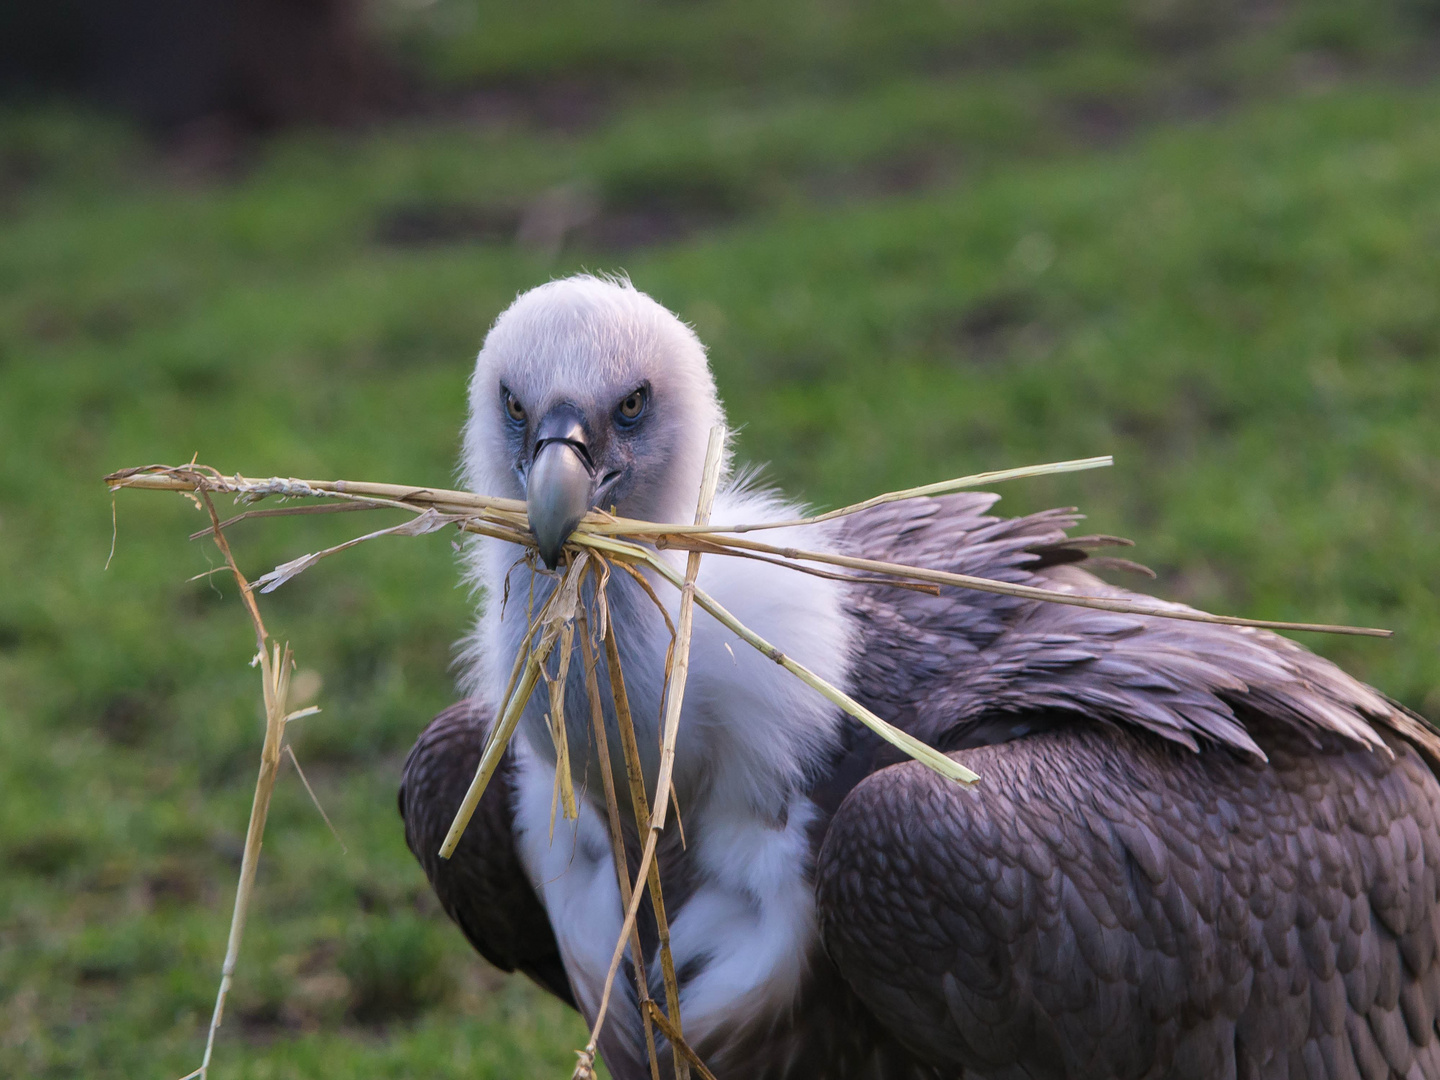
x=550, y=556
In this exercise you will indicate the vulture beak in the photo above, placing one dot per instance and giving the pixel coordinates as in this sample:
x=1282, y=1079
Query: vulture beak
x=560, y=485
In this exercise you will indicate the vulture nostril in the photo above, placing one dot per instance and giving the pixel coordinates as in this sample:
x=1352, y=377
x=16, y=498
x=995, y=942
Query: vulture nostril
x=604, y=488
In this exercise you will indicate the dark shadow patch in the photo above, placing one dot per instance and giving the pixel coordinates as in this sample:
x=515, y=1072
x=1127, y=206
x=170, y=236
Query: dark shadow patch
x=1147, y=427
x=994, y=327
x=1099, y=120
x=203, y=597
x=109, y=323
x=199, y=380
x=1191, y=413
x=121, y=958
x=94, y=971
x=643, y=226
x=49, y=853
x=905, y=172
x=128, y=717
x=1414, y=342
x=320, y=957
x=260, y=63
x=986, y=323
x=261, y=1021
x=174, y=883
x=572, y=105
x=371, y=899
x=621, y=215
x=427, y=224
x=691, y=968
x=641, y=211
x=1180, y=27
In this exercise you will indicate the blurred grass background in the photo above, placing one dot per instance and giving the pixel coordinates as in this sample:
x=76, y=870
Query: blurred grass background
x=921, y=239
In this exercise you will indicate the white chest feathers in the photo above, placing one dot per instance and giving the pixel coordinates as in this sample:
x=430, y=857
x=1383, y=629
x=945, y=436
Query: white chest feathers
x=751, y=741
x=744, y=935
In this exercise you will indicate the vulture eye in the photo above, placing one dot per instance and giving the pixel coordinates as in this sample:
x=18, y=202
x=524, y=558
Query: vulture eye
x=513, y=408
x=633, y=406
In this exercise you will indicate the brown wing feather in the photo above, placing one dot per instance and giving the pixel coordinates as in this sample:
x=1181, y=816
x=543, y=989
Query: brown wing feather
x=483, y=887
x=935, y=664
x=1105, y=903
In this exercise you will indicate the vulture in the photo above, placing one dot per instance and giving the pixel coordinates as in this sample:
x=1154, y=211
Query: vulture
x=1195, y=850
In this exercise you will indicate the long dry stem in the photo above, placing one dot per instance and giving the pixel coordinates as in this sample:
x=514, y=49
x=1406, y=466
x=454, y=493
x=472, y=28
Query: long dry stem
x=275, y=684
x=166, y=478
x=640, y=807
x=678, y=1040
x=1004, y=588
x=564, y=781
x=315, y=799
x=291, y=511
x=678, y=671
x=630, y=527
x=617, y=832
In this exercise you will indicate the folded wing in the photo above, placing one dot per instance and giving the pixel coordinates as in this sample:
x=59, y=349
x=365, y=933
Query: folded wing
x=483, y=886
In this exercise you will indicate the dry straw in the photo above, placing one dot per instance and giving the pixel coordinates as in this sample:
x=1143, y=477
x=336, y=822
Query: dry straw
x=600, y=544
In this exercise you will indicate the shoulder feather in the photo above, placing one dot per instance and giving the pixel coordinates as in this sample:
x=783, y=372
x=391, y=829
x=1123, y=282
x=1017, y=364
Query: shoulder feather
x=937, y=664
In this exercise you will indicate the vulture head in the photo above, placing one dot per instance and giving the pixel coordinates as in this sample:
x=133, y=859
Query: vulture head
x=586, y=394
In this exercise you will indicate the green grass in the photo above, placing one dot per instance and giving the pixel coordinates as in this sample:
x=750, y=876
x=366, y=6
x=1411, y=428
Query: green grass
x=908, y=263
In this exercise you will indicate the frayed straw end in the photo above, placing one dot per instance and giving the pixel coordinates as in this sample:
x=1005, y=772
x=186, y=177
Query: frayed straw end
x=585, y=1067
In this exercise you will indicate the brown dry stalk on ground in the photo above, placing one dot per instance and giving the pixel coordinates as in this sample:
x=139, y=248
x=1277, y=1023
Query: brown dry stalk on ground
x=601, y=542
